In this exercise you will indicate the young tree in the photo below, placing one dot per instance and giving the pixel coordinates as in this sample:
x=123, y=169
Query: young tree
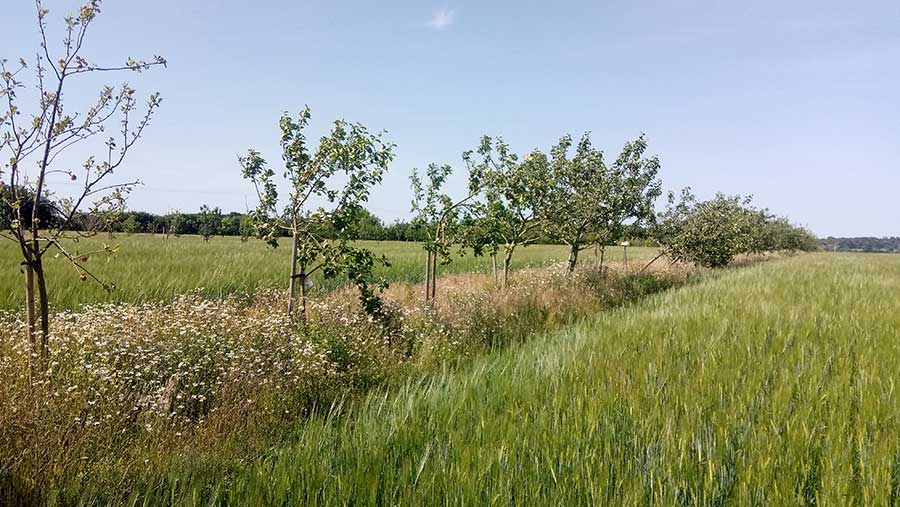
x=231, y=225
x=515, y=194
x=634, y=189
x=438, y=218
x=160, y=225
x=591, y=202
x=245, y=228
x=209, y=221
x=327, y=189
x=131, y=225
x=176, y=223
x=40, y=138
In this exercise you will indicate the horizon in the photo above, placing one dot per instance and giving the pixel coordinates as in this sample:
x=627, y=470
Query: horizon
x=795, y=105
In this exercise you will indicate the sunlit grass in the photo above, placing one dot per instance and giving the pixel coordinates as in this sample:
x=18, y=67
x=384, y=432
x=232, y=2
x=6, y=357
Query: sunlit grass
x=149, y=268
x=223, y=380
x=773, y=384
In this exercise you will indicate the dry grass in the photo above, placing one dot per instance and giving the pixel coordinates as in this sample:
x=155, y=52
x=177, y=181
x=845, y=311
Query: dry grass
x=148, y=268
x=141, y=386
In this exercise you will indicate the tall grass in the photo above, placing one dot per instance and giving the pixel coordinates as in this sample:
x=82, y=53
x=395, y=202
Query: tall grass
x=774, y=384
x=151, y=386
x=149, y=268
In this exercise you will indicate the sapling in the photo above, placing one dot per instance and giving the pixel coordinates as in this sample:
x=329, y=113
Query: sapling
x=515, y=194
x=592, y=202
x=38, y=142
x=326, y=190
x=440, y=218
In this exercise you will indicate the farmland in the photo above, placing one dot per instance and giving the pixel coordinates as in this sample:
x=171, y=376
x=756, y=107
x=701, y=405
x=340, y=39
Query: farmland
x=499, y=341
x=149, y=268
x=220, y=379
x=769, y=384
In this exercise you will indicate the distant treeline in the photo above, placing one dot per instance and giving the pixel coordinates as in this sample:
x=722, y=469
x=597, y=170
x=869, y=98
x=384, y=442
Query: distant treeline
x=889, y=244
x=207, y=222
x=210, y=222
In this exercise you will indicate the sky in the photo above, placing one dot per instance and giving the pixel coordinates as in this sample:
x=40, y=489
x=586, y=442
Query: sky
x=796, y=103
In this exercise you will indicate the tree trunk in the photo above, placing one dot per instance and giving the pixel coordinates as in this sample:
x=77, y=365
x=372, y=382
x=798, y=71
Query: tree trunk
x=292, y=285
x=494, y=267
x=573, y=258
x=602, y=255
x=427, y=276
x=506, y=262
x=302, y=276
x=44, y=306
x=30, y=313
x=625, y=256
x=434, y=263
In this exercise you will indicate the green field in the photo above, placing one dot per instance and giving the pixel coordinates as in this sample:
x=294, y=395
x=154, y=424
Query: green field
x=772, y=384
x=150, y=268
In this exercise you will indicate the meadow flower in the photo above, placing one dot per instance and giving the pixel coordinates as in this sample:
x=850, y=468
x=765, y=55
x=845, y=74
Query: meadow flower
x=172, y=368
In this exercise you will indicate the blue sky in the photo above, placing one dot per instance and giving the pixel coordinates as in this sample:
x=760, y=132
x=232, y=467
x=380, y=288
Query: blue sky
x=797, y=103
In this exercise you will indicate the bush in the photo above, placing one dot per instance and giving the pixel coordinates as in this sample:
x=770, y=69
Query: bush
x=712, y=233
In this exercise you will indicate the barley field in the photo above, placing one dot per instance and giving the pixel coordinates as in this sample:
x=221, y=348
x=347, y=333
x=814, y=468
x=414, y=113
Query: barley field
x=741, y=360
x=769, y=384
x=149, y=268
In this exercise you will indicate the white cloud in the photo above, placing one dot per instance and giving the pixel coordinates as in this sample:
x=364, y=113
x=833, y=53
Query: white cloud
x=441, y=19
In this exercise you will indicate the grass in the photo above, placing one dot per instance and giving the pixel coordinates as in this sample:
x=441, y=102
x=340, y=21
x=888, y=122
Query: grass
x=153, y=386
x=148, y=268
x=773, y=384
